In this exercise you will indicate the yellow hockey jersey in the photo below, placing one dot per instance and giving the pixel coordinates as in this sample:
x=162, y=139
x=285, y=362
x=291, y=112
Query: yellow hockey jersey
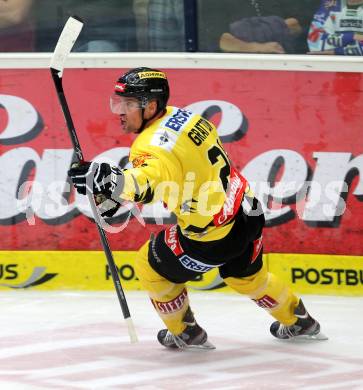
x=179, y=159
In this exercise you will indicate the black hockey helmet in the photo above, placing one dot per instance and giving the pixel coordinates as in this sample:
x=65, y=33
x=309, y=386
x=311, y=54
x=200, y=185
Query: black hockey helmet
x=144, y=84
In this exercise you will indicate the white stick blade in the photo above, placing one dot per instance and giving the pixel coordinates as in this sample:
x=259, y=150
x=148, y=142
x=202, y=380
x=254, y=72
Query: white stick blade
x=65, y=43
x=132, y=330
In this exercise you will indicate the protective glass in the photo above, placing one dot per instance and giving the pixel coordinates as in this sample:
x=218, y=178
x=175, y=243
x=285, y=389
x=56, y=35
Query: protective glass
x=122, y=104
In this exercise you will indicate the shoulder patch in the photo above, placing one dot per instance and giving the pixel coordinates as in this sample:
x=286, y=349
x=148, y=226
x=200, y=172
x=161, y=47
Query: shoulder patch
x=177, y=120
x=141, y=159
x=164, y=139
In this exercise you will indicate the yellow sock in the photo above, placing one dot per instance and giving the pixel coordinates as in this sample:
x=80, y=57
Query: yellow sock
x=169, y=299
x=268, y=292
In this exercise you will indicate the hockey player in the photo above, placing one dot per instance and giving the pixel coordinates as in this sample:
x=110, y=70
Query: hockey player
x=337, y=28
x=178, y=158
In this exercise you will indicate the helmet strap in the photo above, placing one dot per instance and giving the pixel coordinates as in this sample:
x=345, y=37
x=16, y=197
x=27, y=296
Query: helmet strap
x=144, y=121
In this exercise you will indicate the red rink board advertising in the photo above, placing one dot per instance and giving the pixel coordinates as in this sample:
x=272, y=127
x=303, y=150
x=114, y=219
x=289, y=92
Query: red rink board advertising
x=296, y=136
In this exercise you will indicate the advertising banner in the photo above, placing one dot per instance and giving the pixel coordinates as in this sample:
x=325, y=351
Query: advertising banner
x=296, y=136
x=319, y=274
x=80, y=270
x=88, y=270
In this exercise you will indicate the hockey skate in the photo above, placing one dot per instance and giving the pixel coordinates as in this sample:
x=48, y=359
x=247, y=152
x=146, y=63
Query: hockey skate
x=304, y=328
x=193, y=337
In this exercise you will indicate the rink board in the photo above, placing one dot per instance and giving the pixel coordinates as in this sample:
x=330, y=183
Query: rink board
x=285, y=132
x=319, y=274
x=78, y=270
x=88, y=270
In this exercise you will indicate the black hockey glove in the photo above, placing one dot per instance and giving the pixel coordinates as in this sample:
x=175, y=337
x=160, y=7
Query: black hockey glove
x=106, y=207
x=104, y=181
x=97, y=179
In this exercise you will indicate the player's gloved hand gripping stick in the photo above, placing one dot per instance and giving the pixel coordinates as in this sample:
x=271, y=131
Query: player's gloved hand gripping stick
x=64, y=46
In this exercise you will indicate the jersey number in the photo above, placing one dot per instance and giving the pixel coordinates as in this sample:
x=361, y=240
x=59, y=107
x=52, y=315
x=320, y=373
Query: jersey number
x=213, y=155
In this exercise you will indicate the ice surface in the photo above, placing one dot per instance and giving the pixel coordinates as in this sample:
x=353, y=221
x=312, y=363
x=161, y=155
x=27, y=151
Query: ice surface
x=78, y=340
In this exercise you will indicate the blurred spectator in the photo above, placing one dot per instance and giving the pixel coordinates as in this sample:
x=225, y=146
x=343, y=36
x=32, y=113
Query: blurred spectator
x=141, y=18
x=337, y=28
x=166, y=25
x=268, y=26
x=261, y=34
x=16, y=26
x=109, y=24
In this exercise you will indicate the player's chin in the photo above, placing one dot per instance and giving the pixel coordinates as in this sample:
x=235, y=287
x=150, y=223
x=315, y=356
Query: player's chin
x=124, y=127
x=127, y=129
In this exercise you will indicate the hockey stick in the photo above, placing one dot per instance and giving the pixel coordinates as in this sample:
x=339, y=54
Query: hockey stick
x=63, y=48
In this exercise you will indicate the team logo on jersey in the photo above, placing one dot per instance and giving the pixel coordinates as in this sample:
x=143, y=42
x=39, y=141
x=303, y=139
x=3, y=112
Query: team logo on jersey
x=172, y=241
x=164, y=138
x=139, y=161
